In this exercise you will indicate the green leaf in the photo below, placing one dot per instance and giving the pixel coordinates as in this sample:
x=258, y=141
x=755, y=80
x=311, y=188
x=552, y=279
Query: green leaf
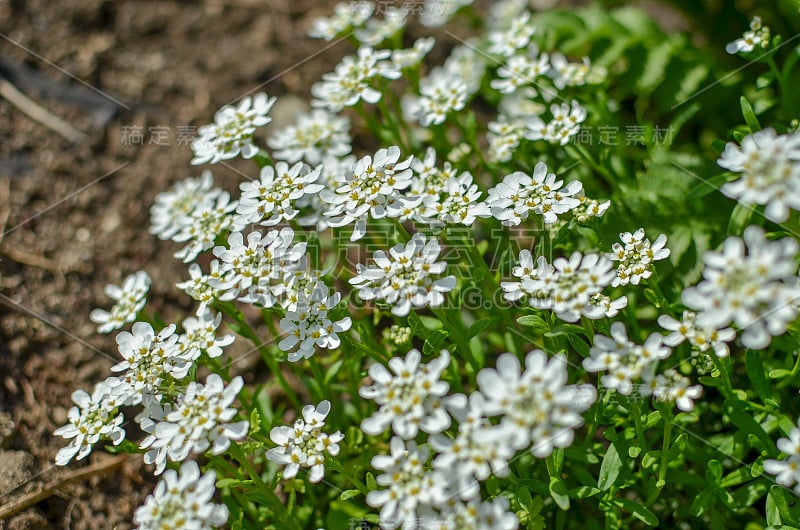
x=743, y=419
x=349, y=494
x=372, y=484
x=479, y=326
x=533, y=321
x=749, y=115
x=255, y=421
x=740, y=218
x=609, y=469
x=558, y=491
x=639, y=511
x=714, y=473
x=565, y=329
x=227, y=482
x=701, y=502
x=755, y=371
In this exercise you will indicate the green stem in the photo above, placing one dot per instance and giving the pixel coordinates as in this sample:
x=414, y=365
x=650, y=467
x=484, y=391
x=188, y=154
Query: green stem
x=662, y=471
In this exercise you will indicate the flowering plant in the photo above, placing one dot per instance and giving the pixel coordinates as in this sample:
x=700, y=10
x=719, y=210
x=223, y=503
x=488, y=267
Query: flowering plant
x=473, y=307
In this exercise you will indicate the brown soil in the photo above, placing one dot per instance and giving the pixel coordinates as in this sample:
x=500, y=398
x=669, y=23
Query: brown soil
x=76, y=215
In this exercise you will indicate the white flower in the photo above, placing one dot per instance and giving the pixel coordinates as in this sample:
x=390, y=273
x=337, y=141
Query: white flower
x=349, y=83
x=624, y=361
x=521, y=70
x=787, y=471
x=538, y=409
x=410, y=398
x=564, y=73
x=172, y=209
x=200, y=334
x=206, y=223
x=769, y=165
x=346, y=15
x=701, y=339
x=410, y=57
x=313, y=138
x=440, y=93
x=253, y=271
x=199, y=422
x=405, y=278
x=308, y=324
x=232, y=131
x=756, y=37
x=410, y=488
x=314, y=206
x=477, y=451
x=182, y=501
x=271, y=199
x=130, y=299
x=373, y=183
x=297, y=283
x=428, y=180
x=518, y=194
x=457, y=203
x=376, y=30
x=199, y=286
x=672, y=386
x=437, y=12
x=756, y=290
x=566, y=123
x=518, y=35
x=571, y=288
x=148, y=359
x=304, y=445
x=465, y=64
x=91, y=419
x=504, y=136
x=636, y=257
x=475, y=515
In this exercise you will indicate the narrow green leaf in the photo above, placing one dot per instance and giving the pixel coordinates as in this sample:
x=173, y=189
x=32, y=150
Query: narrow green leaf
x=609, y=469
x=755, y=371
x=479, y=326
x=639, y=511
x=558, y=491
x=749, y=115
x=533, y=321
x=349, y=494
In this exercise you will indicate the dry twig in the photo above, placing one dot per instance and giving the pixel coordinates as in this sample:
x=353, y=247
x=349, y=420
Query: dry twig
x=38, y=113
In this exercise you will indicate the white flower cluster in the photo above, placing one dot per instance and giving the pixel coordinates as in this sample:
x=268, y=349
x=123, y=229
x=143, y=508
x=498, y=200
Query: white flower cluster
x=405, y=278
x=200, y=335
x=701, y=339
x=521, y=70
x=173, y=209
x=565, y=123
x=376, y=30
x=271, y=199
x=670, y=386
x=304, y=445
x=253, y=272
x=208, y=220
x=308, y=325
x=149, y=358
x=349, y=83
x=756, y=37
x=314, y=138
x=787, y=471
x=769, y=165
x=537, y=411
x=512, y=200
x=411, y=57
x=130, y=298
x=625, y=361
x=231, y=134
x=346, y=15
x=436, y=13
x=752, y=283
x=367, y=190
x=182, y=500
x=636, y=257
x=410, y=398
x=570, y=287
x=92, y=418
x=198, y=422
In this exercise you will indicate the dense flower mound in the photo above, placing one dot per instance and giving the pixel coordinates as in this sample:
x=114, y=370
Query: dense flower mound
x=522, y=361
